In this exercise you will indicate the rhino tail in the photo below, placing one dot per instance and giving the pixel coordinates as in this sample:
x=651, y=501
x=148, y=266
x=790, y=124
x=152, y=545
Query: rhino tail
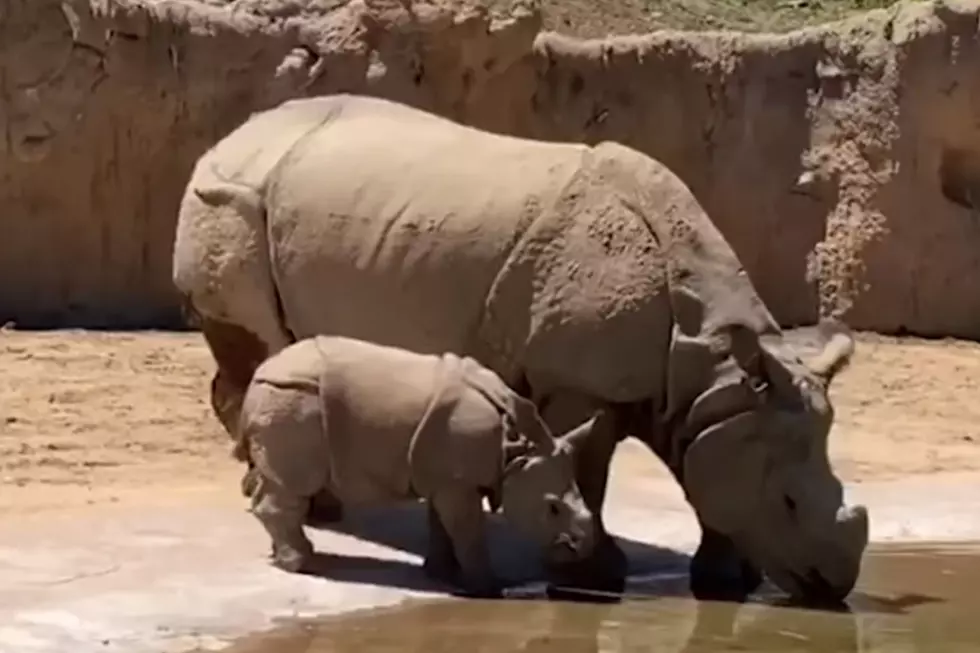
x=221, y=190
x=248, y=201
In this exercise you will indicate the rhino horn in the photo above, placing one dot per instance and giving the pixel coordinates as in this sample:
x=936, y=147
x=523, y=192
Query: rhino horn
x=577, y=437
x=837, y=351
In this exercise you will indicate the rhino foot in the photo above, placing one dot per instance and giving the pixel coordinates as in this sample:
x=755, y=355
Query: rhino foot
x=290, y=559
x=714, y=584
x=249, y=482
x=720, y=573
x=601, y=578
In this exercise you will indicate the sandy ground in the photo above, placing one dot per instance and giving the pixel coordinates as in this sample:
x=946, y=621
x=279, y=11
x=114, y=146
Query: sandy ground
x=121, y=527
x=97, y=418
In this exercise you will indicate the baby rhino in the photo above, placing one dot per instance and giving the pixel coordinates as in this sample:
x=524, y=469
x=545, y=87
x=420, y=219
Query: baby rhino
x=370, y=424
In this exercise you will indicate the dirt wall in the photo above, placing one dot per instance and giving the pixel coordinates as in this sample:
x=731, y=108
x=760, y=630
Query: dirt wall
x=843, y=162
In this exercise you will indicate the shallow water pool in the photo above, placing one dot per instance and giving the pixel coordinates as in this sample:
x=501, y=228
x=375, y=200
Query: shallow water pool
x=924, y=599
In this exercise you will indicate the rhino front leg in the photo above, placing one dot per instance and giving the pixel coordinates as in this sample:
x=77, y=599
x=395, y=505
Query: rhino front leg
x=440, y=559
x=281, y=514
x=461, y=512
x=719, y=572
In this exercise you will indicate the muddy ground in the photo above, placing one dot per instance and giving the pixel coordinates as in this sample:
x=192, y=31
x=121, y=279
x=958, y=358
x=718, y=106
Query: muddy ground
x=121, y=527
x=94, y=418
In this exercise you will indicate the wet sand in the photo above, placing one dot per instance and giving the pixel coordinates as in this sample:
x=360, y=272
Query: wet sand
x=920, y=599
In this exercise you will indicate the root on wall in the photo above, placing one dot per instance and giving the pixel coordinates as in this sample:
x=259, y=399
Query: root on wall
x=842, y=161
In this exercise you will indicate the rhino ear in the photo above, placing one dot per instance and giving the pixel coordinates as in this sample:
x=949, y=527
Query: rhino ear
x=516, y=454
x=837, y=351
x=746, y=349
x=722, y=473
x=529, y=423
x=578, y=438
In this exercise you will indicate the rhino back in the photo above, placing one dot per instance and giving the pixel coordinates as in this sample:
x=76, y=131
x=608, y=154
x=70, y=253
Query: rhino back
x=220, y=259
x=391, y=225
x=379, y=386
x=374, y=398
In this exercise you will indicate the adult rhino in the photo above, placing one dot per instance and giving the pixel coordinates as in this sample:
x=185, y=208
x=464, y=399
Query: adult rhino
x=582, y=275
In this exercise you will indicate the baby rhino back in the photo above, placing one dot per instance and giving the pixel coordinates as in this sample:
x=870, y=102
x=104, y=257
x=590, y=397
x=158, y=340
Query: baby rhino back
x=380, y=388
x=373, y=398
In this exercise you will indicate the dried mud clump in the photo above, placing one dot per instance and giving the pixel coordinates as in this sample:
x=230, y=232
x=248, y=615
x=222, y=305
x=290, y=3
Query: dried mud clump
x=842, y=161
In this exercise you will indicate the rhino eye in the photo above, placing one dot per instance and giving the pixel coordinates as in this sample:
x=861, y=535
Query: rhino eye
x=790, y=504
x=553, y=508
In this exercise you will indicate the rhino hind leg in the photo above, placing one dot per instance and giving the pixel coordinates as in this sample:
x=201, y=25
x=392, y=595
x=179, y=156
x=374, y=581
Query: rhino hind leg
x=281, y=514
x=237, y=353
x=440, y=560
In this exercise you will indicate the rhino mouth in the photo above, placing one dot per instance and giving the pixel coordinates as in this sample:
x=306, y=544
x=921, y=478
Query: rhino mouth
x=567, y=548
x=811, y=588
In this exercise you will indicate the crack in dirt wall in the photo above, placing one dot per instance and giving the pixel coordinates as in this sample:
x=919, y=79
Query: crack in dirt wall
x=842, y=161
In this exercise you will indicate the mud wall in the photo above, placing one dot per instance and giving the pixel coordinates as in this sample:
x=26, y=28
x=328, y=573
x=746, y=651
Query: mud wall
x=842, y=162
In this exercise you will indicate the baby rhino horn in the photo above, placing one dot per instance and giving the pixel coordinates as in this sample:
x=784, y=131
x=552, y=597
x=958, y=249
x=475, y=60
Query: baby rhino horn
x=576, y=438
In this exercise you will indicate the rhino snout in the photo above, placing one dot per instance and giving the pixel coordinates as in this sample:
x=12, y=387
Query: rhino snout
x=851, y=534
x=833, y=578
x=855, y=525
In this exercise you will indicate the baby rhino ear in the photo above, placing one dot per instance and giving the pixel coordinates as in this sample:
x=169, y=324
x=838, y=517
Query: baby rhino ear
x=746, y=349
x=598, y=425
x=516, y=454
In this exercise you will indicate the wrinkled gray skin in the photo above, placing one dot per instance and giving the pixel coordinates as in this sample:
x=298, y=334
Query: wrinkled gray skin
x=585, y=276
x=372, y=425
x=805, y=538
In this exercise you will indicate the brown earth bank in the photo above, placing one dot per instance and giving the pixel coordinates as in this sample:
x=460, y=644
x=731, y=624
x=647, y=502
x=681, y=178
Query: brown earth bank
x=93, y=420
x=841, y=160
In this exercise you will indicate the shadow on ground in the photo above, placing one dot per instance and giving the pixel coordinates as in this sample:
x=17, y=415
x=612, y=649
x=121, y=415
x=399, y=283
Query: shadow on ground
x=405, y=528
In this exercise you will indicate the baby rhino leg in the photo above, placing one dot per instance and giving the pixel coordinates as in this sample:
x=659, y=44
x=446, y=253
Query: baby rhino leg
x=284, y=431
x=324, y=507
x=281, y=513
x=461, y=512
x=440, y=560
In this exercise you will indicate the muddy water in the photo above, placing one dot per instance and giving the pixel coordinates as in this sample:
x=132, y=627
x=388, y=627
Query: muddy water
x=908, y=599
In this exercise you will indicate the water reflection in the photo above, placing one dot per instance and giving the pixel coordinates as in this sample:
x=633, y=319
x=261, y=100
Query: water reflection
x=776, y=627
x=678, y=625
x=915, y=602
